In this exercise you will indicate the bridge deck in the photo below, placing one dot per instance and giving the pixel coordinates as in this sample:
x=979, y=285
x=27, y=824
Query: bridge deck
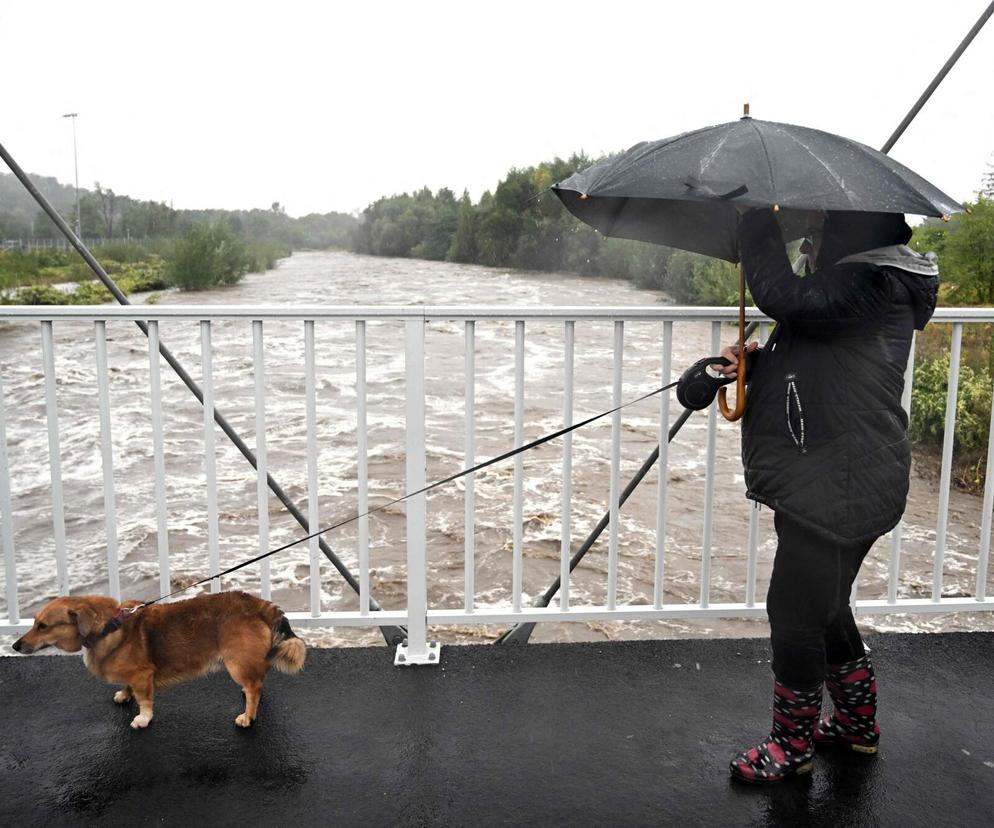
x=634, y=733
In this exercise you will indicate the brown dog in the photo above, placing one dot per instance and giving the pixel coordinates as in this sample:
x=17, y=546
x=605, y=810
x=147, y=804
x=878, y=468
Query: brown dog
x=165, y=644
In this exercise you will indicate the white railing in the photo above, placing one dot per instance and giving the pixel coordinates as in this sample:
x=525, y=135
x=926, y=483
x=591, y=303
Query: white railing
x=416, y=613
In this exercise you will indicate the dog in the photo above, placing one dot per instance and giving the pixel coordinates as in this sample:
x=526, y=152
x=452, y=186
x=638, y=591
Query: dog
x=145, y=648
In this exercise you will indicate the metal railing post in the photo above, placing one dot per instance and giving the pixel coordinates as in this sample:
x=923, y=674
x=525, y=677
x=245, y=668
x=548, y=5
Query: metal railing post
x=416, y=649
x=658, y=587
x=945, y=472
x=210, y=455
x=261, y=454
x=709, y=481
x=107, y=456
x=894, y=566
x=469, y=510
x=158, y=453
x=55, y=459
x=988, y=512
x=7, y=519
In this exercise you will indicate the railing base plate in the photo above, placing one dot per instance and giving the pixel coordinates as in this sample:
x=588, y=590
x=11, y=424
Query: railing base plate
x=404, y=658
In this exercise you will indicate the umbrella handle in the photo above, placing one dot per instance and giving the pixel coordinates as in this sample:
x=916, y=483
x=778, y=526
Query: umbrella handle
x=733, y=414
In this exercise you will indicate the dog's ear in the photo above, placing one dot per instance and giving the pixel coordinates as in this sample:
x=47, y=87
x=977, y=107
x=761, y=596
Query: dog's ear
x=85, y=619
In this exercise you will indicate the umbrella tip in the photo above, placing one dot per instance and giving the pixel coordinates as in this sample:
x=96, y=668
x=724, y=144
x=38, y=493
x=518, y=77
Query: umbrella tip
x=745, y=110
x=584, y=196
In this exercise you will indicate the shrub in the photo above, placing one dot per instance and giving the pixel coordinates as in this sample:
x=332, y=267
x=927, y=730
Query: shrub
x=37, y=295
x=715, y=282
x=208, y=256
x=263, y=256
x=928, y=405
x=122, y=252
x=90, y=293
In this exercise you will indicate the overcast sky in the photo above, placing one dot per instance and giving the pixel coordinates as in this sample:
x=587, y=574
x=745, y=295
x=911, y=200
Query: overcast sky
x=326, y=106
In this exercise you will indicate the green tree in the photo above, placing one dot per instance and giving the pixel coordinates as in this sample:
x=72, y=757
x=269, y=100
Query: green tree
x=463, y=247
x=968, y=253
x=715, y=282
x=987, y=183
x=107, y=202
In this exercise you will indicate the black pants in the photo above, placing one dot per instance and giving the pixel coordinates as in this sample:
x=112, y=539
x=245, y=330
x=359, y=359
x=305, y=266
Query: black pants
x=811, y=624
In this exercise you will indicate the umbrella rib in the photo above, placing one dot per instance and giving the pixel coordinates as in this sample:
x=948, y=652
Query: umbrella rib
x=614, y=218
x=769, y=163
x=839, y=181
x=646, y=151
x=903, y=180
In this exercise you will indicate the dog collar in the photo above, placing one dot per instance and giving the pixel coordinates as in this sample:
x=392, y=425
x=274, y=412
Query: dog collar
x=111, y=626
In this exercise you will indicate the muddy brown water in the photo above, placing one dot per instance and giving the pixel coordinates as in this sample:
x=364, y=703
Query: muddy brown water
x=344, y=279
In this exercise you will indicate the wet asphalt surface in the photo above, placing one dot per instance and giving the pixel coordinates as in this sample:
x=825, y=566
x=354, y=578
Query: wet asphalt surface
x=618, y=734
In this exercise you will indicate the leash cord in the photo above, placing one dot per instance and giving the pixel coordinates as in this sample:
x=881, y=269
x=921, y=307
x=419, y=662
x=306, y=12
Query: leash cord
x=505, y=456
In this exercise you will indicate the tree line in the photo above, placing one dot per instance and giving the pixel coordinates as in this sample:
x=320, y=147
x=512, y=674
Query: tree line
x=104, y=213
x=521, y=224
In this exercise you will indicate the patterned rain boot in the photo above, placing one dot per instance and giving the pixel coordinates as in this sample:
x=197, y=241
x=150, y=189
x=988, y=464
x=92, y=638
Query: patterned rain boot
x=789, y=748
x=853, y=724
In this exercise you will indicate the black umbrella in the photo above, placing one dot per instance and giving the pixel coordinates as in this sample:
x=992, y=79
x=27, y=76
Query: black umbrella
x=683, y=191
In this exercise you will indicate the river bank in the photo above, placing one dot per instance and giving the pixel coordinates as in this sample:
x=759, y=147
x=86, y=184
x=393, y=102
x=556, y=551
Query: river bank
x=207, y=256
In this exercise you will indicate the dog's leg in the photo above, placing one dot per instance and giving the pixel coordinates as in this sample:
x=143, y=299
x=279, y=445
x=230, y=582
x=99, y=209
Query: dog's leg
x=253, y=692
x=251, y=684
x=143, y=687
x=123, y=695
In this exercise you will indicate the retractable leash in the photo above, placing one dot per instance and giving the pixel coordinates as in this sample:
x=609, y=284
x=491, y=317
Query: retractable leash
x=116, y=621
x=697, y=387
x=696, y=390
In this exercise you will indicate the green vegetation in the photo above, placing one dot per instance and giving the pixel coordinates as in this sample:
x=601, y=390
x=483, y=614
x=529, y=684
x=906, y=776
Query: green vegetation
x=973, y=411
x=106, y=214
x=137, y=271
x=188, y=249
x=208, y=257
x=965, y=247
x=522, y=225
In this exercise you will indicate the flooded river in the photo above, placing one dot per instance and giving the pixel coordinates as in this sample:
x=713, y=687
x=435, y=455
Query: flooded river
x=344, y=279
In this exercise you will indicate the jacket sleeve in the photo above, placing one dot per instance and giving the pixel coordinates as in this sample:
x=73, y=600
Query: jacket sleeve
x=830, y=297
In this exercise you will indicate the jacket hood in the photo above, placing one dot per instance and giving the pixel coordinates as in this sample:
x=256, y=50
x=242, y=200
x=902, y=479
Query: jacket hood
x=918, y=273
x=846, y=232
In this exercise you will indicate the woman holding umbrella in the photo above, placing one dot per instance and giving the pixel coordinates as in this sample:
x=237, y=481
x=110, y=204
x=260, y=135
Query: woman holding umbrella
x=824, y=444
x=824, y=436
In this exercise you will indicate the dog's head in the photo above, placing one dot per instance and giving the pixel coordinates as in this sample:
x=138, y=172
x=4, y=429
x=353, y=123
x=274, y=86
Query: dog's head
x=65, y=623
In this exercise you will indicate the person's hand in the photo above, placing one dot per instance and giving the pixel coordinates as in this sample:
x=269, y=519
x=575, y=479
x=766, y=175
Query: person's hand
x=731, y=353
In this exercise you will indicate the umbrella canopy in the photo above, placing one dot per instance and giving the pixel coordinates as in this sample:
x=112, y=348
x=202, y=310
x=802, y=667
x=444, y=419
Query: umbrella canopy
x=683, y=191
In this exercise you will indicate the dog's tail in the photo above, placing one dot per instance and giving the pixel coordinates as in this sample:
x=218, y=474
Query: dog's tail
x=288, y=652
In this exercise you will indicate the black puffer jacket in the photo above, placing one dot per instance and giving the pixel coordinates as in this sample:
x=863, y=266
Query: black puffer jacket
x=824, y=436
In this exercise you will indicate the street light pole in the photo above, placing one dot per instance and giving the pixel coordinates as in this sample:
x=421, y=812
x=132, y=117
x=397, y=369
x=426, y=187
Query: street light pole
x=75, y=162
